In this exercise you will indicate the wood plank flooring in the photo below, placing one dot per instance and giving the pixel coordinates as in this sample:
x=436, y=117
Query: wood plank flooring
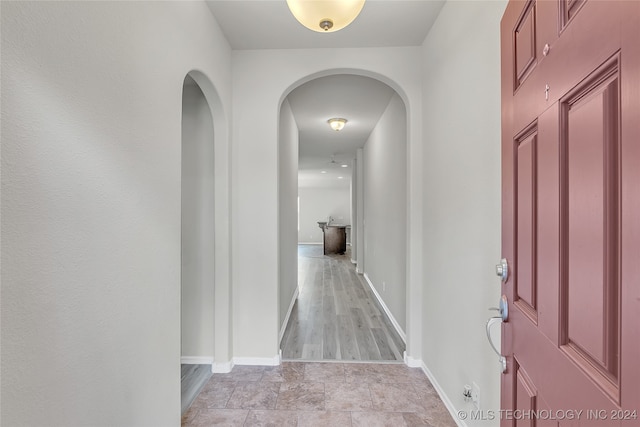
x=336, y=316
x=192, y=379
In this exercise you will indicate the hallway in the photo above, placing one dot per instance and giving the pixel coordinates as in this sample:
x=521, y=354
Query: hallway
x=336, y=316
x=319, y=394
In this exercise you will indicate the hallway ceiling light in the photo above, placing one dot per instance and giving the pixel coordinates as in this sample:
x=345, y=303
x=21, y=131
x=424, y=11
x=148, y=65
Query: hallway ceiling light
x=325, y=15
x=337, y=123
x=344, y=166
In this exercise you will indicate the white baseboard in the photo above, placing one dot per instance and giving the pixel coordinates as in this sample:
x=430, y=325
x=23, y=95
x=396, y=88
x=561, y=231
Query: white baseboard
x=445, y=398
x=394, y=322
x=222, y=368
x=260, y=361
x=311, y=243
x=411, y=362
x=196, y=360
x=226, y=367
x=286, y=318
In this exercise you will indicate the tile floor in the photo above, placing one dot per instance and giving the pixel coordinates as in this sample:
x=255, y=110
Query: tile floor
x=319, y=394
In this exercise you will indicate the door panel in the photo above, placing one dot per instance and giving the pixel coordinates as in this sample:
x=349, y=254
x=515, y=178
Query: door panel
x=571, y=210
x=548, y=227
x=525, y=395
x=525, y=44
x=525, y=293
x=630, y=209
x=590, y=139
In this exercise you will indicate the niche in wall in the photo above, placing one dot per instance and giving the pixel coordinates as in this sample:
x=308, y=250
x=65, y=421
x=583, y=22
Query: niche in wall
x=197, y=276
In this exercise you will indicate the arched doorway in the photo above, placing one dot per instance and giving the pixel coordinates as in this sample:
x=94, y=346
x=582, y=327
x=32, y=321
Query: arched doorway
x=375, y=206
x=197, y=241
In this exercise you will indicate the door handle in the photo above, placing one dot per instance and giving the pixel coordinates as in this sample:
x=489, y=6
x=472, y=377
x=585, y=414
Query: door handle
x=503, y=317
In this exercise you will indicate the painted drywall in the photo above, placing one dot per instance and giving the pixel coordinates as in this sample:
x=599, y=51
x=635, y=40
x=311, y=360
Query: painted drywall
x=91, y=147
x=385, y=208
x=318, y=204
x=461, y=120
x=198, y=187
x=353, y=194
x=287, y=210
x=359, y=226
x=261, y=80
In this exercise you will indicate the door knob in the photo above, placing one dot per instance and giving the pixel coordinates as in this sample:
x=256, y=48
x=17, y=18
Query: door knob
x=502, y=270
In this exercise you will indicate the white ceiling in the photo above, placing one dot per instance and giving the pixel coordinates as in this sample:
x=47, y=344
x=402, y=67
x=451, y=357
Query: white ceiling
x=360, y=100
x=268, y=24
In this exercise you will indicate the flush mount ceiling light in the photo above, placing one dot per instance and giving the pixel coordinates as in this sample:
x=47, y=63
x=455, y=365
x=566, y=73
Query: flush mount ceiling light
x=325, y=16
x=337, y=123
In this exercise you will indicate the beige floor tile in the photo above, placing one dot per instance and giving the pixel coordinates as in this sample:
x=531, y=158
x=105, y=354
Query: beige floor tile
x=347, y=397
x=219, y=417
x=324, y=419
x=439, y=417
x=413, y=419
x=301, y=396
x=288, y=372
x=272, y=418
x=332, y=394
x=395, y=397
x=377, y=419
x=215, y=394
x=189, y=415
x=377, y=373
x=254, y=395
x=325, y=372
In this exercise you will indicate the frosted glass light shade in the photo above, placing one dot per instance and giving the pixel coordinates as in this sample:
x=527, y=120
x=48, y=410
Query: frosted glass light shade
x=316, y=14
x=337, y=124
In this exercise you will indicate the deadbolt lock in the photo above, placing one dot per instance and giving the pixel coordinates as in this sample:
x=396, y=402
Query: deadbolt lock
x=502, y=270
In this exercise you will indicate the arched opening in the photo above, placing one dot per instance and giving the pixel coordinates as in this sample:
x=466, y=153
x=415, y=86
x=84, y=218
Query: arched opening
x=356, y=177
x=198, y=241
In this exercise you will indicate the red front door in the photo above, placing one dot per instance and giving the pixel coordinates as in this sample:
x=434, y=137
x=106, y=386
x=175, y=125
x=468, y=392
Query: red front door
x=571, y=212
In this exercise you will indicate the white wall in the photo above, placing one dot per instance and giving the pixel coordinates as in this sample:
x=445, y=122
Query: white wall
x=261, y=80
x=353, y=194
x=198, y=187
x=359, y=225
x=385, y=208
x=91, y=144
x=317, y=204
x=287, y=210
x=461, y=122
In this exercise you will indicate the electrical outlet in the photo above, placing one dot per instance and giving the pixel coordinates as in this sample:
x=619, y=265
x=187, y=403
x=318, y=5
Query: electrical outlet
x=475, y=395
x=466, y=393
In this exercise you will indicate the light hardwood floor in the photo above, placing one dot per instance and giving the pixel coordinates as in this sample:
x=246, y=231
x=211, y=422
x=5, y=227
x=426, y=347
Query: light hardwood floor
x=336, y=316
x=192, y=379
